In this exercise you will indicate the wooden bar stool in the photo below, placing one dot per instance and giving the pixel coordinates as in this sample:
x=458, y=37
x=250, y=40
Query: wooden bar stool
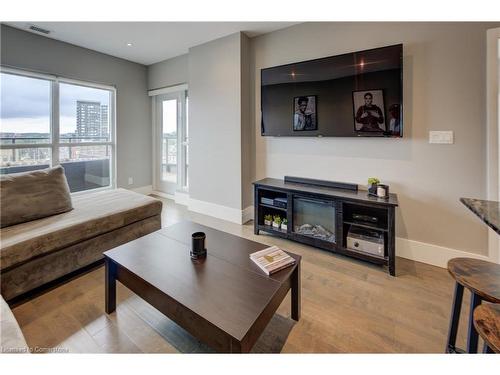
x=487, y=323
x=483, y=280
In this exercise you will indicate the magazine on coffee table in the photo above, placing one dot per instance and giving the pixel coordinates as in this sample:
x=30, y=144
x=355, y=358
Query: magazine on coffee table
x=272, y=259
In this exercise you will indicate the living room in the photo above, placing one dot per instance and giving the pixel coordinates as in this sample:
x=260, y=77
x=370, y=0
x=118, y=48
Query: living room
x=145, y=173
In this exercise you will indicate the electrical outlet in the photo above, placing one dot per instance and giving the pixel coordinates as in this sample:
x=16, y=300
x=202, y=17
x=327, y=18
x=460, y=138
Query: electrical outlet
x=441, y=137
x=130, y=181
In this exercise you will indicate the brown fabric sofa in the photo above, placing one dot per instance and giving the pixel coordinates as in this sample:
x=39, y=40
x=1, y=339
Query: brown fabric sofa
x=39, y=251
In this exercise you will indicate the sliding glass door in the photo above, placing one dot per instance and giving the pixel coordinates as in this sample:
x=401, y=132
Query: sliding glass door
x=171, y=142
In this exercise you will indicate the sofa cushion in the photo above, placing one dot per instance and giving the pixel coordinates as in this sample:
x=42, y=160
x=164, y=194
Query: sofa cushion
x=12, y=339
x=32, y=195
x=94, y=214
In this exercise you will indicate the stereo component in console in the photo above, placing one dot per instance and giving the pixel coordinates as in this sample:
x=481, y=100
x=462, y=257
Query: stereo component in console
x=365, y=241
x=365, y=218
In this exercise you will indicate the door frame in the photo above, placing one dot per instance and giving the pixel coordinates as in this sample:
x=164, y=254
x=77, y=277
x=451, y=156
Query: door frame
x=156, y=137
x=493, y=131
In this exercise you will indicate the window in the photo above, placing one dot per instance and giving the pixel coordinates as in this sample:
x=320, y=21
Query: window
x=48, y=121
x=169, y=139
x=85, y=135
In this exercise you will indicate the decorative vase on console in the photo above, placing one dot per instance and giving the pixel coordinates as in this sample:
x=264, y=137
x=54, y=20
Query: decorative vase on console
x=372, y=185
x=277, y=222
x=284, y=224
x=268, y=220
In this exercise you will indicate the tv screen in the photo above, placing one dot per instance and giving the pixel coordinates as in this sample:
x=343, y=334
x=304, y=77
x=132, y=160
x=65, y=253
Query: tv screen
x=357, y=94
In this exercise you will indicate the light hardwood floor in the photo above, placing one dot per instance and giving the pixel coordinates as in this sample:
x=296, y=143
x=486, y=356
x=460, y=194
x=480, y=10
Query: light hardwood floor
x=348, y=306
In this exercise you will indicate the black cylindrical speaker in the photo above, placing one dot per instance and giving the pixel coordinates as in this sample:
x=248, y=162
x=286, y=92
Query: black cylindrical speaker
x=198, y=245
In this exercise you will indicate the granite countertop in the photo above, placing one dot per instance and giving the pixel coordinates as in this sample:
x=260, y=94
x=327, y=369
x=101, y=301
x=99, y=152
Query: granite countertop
x=487, y=211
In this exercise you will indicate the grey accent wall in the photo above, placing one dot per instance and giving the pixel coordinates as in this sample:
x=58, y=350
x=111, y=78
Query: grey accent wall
x=170, y=72
x=444, y=89
x=24, y=50
x=215, y=115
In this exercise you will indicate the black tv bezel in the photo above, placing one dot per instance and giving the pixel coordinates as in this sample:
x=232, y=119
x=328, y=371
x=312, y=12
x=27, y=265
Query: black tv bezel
x=401, y=133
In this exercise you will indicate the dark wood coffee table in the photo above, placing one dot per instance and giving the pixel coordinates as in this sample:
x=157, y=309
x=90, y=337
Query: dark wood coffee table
x=226, y=301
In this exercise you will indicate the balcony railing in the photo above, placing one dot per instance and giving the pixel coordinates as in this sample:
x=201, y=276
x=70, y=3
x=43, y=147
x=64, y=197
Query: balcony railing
x=40, y=152
x=82, y=171
x=86, y=166
x=169, y=149
x=47, y=139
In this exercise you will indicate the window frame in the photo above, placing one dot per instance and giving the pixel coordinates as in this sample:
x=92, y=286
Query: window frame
x=55, y=145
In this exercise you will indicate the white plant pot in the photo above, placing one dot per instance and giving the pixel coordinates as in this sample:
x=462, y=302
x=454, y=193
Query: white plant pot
x=284, y=226
x=267, y=222
x=277, y=226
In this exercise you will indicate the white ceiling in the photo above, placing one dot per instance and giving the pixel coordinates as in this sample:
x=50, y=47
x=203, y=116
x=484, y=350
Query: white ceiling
x=151, y=41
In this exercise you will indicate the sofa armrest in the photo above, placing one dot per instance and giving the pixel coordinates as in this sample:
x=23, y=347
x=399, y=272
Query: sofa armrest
x=11, y=337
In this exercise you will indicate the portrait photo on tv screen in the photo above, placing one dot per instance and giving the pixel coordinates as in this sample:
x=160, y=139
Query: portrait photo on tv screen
x=368, y=106
x=304, y=113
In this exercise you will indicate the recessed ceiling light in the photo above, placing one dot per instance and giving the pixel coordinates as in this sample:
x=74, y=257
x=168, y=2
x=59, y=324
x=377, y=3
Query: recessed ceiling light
x=129, y=44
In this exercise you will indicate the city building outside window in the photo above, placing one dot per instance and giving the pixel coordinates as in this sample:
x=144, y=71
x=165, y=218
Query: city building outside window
x=47, y=121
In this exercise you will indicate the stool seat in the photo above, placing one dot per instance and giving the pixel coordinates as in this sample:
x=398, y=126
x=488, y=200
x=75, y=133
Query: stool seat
x=487, y=323
x=479, y=276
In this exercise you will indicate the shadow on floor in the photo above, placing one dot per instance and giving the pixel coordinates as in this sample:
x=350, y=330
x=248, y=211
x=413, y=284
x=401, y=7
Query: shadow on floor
x=272, y=339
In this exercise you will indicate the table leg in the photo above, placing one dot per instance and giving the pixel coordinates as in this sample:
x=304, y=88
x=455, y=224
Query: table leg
x=296, y=293
x=487, y=349
x=235, y=347
x=454, y=319
x=472, y=337
x=110, y=286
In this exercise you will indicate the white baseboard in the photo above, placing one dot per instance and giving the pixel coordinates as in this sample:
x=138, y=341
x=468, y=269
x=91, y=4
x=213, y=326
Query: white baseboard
x=178, y=197
x=146, y=190
x=210, y=209
x=431, y=254
x=163, y=195
x=216, y=210
x=221, y=212
x=247, y=214
x=181, y=198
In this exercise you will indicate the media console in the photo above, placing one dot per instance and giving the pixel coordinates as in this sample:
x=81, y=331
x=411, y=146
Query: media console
x=329, y=215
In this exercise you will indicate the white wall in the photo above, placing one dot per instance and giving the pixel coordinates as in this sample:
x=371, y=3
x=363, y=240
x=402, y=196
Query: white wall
x=215, y=115
x=444, y=89
x=24, y=50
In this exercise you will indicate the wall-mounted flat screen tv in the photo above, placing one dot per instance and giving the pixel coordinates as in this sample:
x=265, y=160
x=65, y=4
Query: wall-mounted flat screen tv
x=357, y=94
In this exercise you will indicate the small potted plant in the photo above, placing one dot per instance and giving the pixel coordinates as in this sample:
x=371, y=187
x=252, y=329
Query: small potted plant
x=284, y=224
x=268, y=219
x=372, y=185
x=277, y=222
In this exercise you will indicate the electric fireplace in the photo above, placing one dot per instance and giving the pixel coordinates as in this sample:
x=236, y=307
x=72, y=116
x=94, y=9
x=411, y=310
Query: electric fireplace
x=314, y=218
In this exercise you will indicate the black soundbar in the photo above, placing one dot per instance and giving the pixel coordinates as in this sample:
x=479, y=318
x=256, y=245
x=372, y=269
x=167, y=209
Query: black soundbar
x=322, y=183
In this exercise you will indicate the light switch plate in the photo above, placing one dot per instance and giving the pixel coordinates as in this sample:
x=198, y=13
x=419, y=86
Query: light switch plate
x=441, y=136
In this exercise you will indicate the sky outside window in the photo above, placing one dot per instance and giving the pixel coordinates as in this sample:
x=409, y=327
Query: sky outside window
x=25, y=105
